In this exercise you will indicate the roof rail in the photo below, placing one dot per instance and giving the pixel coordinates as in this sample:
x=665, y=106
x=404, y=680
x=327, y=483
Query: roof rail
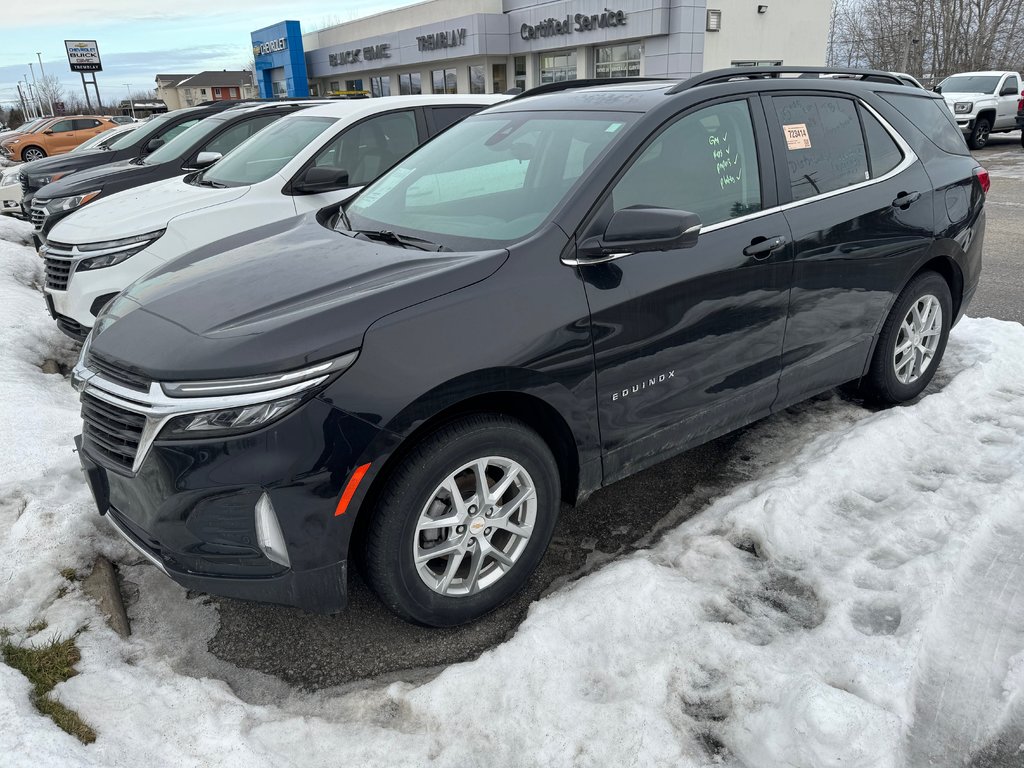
x=756, y=73
x=586, y=82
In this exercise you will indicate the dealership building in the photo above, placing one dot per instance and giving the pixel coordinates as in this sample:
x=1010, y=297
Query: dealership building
x=487, y=46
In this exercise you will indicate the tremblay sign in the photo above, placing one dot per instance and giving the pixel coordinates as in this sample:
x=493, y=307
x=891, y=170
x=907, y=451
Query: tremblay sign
x=437, y=40
x=83, y=55
x=581, y=22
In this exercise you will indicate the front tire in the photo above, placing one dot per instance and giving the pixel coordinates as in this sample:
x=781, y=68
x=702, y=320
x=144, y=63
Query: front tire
x=979, y=136
x=28, y=154
x=912, y=341
x=463, y=521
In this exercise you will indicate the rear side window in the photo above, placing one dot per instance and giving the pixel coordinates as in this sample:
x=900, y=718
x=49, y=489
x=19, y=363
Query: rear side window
x=824, y=145
x=704, y=163
x=932, y=117
x=445, y=117
x=883, y=152
x=85, y=124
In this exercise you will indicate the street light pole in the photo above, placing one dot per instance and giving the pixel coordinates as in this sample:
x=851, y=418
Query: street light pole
x=131, y=101
x=49, y=91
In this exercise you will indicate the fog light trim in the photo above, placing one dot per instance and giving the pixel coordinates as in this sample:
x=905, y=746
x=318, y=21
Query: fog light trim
x=268, y=533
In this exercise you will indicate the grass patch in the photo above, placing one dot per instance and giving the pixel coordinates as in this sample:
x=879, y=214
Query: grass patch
x=69, y=573
x=45, y=666
x=37, y=627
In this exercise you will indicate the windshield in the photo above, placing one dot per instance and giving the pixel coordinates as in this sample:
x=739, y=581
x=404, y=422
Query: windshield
x=145, y=133
x=181, y=143
x=30, y=126
x=266, y=153
x=491, y=177
x=102, y=140
x=970, y=84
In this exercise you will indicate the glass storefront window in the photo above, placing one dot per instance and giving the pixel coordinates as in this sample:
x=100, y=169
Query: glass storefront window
x=499, y=78
x=409, y=84
x=335, y=86
x=556, y=67
x=354, y=85
x=380, y=86
x=444, y=81
x=520, y=64
x=617, y=60
x=476, y=79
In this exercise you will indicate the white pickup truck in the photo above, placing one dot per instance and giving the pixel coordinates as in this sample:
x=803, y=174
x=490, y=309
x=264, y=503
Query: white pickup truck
x=983, y=103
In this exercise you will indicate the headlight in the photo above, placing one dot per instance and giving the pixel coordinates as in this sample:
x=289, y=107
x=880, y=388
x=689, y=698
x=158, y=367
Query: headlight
x=12, y=142
x=963, y=107
x=116, y=251
x=9, y=180
x=229, y=421
x=42, y=181
x=70, y=203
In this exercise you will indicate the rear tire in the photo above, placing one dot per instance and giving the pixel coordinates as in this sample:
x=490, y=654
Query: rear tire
x=911, y=343
x=979, y=136
x=498, y=531
x=28, y=154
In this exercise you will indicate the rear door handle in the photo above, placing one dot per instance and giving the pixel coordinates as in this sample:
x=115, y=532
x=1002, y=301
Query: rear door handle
x=763, y=247
x=905, y=199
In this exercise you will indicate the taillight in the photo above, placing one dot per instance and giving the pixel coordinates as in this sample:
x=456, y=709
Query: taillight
x=982, y=175
x=1020, y=104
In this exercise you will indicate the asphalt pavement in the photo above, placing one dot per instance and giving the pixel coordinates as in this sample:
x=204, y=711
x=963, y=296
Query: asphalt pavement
x=315, y=652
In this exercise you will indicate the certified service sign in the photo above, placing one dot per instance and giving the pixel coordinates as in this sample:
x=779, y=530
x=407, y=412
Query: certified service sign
x=83, y=55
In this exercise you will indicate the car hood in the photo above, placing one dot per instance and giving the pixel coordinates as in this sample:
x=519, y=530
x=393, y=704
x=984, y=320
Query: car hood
x=139, y=210
x=954, y=97
x=92, y=178
x=73, y=161
x=299, y=296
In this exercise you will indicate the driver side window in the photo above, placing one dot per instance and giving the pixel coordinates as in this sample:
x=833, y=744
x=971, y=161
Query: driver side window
x=63, y=126
x=371, y=147
x=704, y=163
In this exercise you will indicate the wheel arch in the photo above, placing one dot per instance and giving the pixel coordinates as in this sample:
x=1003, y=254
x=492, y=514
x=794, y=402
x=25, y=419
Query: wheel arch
x=989, y=113
x=534, y=411
x=33, y=146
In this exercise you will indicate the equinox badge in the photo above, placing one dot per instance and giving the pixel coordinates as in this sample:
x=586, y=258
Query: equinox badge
x=651, y=382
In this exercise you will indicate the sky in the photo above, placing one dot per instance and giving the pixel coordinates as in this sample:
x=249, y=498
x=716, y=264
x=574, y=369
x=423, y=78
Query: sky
x=139, y=38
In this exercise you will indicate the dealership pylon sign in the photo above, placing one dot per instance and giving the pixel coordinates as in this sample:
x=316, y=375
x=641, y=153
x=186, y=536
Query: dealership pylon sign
x=83, y=55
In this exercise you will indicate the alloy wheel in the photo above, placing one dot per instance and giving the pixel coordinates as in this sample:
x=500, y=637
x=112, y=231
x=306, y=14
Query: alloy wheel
x=32, y=154
x=917, y=340
x=475, y=526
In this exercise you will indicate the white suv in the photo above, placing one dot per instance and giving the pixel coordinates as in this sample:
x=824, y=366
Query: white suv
x=299, y=164
x=983, y=103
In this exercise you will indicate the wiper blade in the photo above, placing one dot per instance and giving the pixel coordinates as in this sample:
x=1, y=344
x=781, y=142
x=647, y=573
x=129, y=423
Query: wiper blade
x=393, y=238
x=209, y=183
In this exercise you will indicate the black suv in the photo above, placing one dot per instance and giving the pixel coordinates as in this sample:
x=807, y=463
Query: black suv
x=152, y=135
x=198, y=147
x=552, y=295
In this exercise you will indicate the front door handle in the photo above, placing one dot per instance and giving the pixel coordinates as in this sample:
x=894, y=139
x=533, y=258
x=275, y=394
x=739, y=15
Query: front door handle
x=905, y=199
x=763, y=247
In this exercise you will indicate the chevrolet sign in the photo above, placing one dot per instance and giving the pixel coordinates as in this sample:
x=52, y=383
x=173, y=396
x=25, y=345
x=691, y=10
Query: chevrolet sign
x=271, y=46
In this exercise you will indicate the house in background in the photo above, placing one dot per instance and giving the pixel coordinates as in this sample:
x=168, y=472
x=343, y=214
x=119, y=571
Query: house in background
x=179, y=91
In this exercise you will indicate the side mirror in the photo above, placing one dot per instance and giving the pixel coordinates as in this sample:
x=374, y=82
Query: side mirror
x=204, y=160
x=937, y=89
x=320, y=179
x=48, y=132
x=152, y=145
x=640, y=228
x=1008, y=91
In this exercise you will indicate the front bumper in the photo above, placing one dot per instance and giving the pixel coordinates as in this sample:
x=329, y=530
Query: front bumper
x=189, y=508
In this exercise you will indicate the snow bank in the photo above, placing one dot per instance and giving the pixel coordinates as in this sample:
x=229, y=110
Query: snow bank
x=855, y=601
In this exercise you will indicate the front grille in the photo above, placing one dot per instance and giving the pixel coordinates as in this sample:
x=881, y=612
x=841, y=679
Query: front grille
x=111, y=433
x=58, y=272
x=115, y=373
x=23, y=179
x=38, y=213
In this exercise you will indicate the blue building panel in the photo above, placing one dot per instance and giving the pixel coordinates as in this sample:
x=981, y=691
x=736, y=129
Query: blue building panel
x=277, y=51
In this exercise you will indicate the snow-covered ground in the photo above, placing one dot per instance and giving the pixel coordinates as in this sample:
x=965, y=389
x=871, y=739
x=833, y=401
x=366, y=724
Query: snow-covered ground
x=857, y=601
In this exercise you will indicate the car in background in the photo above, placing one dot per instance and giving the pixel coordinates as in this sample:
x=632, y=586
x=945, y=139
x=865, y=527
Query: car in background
x=983, y=103
x=150, y=136
x=553, y=295
x=10, y=185
x=54, y=136
x=122, y=119
x=909, y=80
x=192, y=150
x=301, y=163
x=23, y=128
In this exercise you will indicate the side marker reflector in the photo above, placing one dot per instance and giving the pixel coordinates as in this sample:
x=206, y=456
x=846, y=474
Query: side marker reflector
x=350, y=489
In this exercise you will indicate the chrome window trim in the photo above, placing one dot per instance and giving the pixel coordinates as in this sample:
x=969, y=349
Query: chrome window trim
x=158, y=408
x=909, y=158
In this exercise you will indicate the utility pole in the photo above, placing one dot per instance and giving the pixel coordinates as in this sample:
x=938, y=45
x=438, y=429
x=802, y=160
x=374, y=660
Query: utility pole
x=39, y=99
x=24, y=108
x=31, y=100
x=131, y=101
x=49, y=91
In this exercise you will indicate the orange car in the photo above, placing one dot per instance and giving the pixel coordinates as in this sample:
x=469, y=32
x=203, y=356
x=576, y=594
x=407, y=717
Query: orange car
x=54, y=137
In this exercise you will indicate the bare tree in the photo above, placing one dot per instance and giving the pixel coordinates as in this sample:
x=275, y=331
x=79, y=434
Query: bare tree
x=50, y=90
x=928, y=38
